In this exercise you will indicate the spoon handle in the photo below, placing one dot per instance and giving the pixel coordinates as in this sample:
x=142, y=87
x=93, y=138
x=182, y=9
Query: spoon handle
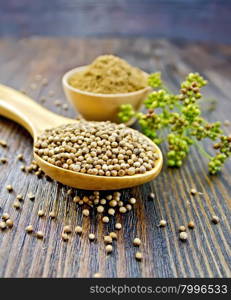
x=23, y=110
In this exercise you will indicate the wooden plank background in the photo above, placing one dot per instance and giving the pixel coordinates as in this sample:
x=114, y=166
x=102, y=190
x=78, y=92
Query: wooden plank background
x=207, y=253
x=175, y=19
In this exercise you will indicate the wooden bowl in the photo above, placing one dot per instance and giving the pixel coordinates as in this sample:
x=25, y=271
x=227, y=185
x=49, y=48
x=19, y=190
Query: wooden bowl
x=100, y=107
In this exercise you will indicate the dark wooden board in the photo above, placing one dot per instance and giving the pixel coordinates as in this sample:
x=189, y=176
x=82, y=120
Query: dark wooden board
x=205, y=20
x=207, y=252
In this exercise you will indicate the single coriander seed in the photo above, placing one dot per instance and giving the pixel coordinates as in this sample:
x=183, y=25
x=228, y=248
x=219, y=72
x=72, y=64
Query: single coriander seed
x=183, y=236
x=5, y=216
x=118, y=226
x=105, y=219
x=85, y=212
x=40, y=235
x=97, y=275
x=136, y=242
x=2, y=225
x=52, y=215
x=91, y=236
x=100, y=209
x=151, y=196
x=16, y=204
x=107, y=239
x=9, y=223
x=182, y=228
x=65, y=237
x=29, y=229
x=132, y=200
x=19, y=197
x=67, y=229
x=215, y=219
x=162, y=223
x=78, y=229
x=9, y=188
x=191, y=225
x=41, y=213
x=109, y=249
x=138, y=256
x=113, y=235
x=20, y=157
x=193, y=192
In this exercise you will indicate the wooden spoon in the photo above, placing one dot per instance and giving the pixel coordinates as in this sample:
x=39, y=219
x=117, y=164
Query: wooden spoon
x=21, y=109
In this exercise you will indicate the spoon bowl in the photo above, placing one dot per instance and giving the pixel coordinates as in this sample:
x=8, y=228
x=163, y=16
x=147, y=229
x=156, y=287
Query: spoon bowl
x=36, y=119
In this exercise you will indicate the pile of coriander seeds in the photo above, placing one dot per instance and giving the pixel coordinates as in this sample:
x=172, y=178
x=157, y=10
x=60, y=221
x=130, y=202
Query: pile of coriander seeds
x=97, y=148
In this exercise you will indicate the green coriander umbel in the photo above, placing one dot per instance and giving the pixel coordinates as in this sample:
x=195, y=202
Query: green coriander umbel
x=181, y=115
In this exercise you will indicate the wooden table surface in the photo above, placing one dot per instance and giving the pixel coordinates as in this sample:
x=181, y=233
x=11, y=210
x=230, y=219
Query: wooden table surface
x=207, y=253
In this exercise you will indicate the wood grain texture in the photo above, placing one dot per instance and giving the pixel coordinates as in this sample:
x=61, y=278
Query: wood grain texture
x=193, y=20
x=207, y=253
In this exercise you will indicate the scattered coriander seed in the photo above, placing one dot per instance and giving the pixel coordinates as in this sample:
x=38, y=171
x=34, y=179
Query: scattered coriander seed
x=227, y=122
x=107, y=239
x=5, y=216
x=41, y=213
x=162, y=223
x=118, y=226
x=65, y=237
x=3, y=143
x=85, y=212
x=16, y=204
x=2, y=225
x=182, y=228
x=136, y=242
x=111, y=211
x=97, y=275
x=40, y=235
x=132, y=200
x=52, y=215
x=109, y=249
x=29, y=229
x=67, y=229
x=9, y=188
x=191, y=225
x=113, y=235
x=105, y=219
x=122, y=210
x=19, y=197
x=215, y=219
x=183, y=236
x=138, y=256
x=9, y=223
x=3, y=160
x=43, y=100
x=20, y=157
x=31, y=196
x=151, y=196
x=23, y=168
x=78, y=229
x=91, y=236
x=193, y=192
